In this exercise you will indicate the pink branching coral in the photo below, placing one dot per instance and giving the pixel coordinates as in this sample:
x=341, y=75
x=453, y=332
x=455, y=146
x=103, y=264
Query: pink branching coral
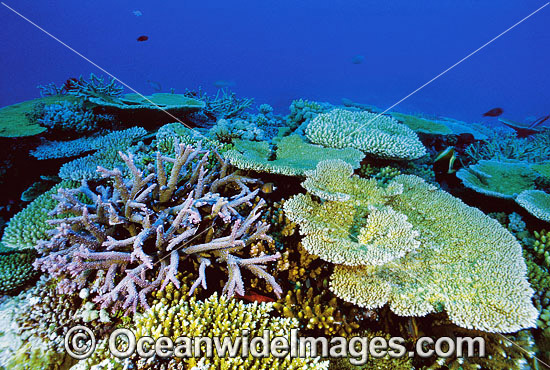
x=135, y=233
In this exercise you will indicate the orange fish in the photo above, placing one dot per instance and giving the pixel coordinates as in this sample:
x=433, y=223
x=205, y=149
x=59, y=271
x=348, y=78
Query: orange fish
x=255, y=297
x=143, y=38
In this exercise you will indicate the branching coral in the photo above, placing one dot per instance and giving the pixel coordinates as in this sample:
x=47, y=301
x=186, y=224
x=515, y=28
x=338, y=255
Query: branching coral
x=227, y=130
x=134, y=235
x=380, y=136
x=319, y=311
x=221, y=318
x=225, y=104
x=455, y=266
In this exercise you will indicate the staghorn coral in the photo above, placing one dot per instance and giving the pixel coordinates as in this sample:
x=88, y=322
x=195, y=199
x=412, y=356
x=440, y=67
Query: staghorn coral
x=455, y=266
x=225, y=104
x=536, y=202
x=319, y=311
x=498, y=179
x=503, y=146
x=380, y=136
x=134, y=235
x=27, y=227
x=293, y=156
x=61, y=149
x=95, y=86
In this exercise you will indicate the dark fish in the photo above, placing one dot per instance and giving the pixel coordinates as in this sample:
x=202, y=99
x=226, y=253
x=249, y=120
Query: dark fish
x=521, y=129
x=155, y=85
x=358, y=59
x=143, y=38
x=221, y=84
x=495, y=112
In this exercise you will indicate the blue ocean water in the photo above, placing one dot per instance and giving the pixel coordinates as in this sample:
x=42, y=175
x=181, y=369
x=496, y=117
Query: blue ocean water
x=277, y=51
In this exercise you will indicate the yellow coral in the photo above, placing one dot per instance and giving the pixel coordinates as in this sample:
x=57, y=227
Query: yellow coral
x=466, y=263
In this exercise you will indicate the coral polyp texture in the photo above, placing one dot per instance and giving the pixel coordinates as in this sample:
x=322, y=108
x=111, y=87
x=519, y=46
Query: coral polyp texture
x=414, y=247
x=536, y=202
x=131, y=238
x=498, y=179
x=374, y=134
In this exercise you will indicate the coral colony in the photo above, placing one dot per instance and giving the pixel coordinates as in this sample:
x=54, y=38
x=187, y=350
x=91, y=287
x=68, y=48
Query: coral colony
x=332, y=221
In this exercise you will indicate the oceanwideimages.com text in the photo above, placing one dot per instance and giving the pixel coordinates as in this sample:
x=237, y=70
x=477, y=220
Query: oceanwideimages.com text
x=80, y=343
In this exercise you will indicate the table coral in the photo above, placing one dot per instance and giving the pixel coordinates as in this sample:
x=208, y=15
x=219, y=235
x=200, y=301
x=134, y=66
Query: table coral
x=136, y=231
x=536, y=202
x=465, y=262
x=380, y=136
x=498, y=179
x=293, y=156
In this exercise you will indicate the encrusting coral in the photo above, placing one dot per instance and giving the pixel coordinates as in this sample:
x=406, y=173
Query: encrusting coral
x=453, y=265
x=380, y=136
x=132, y=237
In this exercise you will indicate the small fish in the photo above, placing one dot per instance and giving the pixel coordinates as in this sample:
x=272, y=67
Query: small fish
x=446, y=155
x=358, y=59
x=268, y=188
x=143, y=38
x=255, y=297
x=220, y=84
x=495, y=112
x=155, y=85
x=137, y=13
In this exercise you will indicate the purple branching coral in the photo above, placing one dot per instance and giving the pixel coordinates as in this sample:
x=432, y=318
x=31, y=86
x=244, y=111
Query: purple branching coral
x=136, y=232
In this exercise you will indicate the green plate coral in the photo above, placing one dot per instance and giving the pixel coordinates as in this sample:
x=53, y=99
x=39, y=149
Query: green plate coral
x=293, y=156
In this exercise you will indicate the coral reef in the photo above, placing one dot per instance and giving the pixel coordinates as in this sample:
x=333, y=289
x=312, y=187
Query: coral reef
x=536, y=202
x=85, y=168
x=492, y=294
x=380, y=136
x=418, y=124
x=131, y=239
x=66, y=116
x=225, y=104
x=135, y=103
x=498, y=179
x=319, y=311
x=16, y=269
x=27, y=227
x=62, y=149
x=293, y=156
x=226, y=130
